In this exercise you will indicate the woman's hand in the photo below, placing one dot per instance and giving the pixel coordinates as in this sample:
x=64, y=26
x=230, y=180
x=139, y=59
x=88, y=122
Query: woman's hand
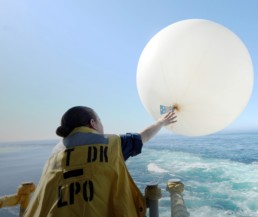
x=169, y=118
x=152, y=130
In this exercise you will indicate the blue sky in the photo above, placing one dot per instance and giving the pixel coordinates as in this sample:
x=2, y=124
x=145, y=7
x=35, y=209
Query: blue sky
x=58, y=54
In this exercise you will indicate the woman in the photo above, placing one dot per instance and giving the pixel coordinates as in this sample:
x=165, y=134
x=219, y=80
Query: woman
x=86, y=174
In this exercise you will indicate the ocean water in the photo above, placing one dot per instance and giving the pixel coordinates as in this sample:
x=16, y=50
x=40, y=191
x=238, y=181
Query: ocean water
x=219, y=172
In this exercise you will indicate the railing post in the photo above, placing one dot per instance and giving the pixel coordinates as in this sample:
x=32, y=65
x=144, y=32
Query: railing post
x=22, y=197
x=152, y=195
x=24, y=192
x=175, y=188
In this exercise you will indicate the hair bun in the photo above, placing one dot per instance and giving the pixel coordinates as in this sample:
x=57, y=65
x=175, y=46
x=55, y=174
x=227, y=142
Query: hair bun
x=63, y=131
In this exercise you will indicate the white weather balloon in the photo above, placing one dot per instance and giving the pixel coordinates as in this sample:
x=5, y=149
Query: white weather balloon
x=202, y=69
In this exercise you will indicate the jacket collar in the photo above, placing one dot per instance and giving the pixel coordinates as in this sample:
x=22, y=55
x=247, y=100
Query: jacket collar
x=83, y=130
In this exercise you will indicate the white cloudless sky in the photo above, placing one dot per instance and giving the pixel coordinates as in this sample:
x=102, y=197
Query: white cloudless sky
x=58, y=54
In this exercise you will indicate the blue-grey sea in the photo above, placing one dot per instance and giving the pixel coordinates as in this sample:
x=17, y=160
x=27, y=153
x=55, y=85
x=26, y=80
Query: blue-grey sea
x=219, y=171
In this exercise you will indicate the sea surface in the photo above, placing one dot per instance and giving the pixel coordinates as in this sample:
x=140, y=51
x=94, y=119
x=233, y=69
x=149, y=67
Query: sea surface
x=219, y=171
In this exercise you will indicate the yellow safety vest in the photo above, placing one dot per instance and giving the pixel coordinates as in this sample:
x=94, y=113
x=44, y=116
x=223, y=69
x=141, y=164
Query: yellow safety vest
x=87, y=181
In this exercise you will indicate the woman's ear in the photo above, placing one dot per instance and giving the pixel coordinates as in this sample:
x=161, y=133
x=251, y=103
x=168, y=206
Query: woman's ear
x=92, y=123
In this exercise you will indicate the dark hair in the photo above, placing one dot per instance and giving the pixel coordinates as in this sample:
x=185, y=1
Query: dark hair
x=75, y=117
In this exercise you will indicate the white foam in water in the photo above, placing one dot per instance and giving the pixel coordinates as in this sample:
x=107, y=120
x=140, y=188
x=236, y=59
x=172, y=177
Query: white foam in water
x=154, y=168
x=213, y=187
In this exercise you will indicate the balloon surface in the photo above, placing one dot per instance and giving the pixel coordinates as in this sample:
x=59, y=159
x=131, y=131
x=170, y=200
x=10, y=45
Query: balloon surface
x=202, y=70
